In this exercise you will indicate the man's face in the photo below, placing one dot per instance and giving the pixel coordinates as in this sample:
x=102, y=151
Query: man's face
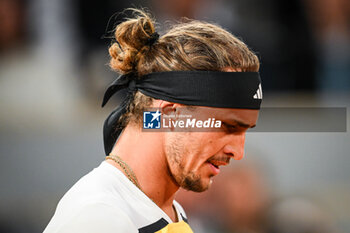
x=195, y=157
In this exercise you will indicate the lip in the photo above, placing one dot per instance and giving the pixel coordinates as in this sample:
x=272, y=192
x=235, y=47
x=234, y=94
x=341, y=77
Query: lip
x=215, y=170
x=218, y=162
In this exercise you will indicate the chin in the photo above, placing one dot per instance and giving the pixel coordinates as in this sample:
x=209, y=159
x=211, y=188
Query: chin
x=196, y=185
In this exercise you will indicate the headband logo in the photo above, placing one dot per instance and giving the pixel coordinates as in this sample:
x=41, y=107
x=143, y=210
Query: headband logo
x=258, y=94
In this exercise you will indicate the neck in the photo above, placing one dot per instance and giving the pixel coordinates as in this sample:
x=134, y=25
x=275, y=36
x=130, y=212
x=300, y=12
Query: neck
x=144, y=153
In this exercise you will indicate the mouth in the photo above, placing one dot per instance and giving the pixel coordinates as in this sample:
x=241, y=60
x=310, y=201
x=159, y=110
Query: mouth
x=215, y=165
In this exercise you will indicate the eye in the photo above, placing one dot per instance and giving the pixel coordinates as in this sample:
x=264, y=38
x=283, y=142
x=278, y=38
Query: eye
x=229, y=127
x=233, y=128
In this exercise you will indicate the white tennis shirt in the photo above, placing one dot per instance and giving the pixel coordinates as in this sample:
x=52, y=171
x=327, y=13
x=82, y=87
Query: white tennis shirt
x=106, y=201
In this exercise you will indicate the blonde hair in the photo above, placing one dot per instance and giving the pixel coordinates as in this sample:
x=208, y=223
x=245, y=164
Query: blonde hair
x=192, y=45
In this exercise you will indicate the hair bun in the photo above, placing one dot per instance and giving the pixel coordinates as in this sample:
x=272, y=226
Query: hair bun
x=131, y=36
x=153, y=38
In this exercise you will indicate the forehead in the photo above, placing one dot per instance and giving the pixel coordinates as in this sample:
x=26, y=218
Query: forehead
x=245, y=116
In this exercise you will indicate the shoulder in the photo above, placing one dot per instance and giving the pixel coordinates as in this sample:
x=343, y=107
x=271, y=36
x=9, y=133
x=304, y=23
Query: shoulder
x=99, y=217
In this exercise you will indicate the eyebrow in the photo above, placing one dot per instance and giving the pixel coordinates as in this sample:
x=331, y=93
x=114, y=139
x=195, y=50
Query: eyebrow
x=241, y=124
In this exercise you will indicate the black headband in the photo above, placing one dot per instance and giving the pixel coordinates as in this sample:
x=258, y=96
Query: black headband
x=199, y=88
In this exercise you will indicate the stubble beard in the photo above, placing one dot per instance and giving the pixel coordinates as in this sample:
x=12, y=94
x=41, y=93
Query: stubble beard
x=193, y=183
x=188, y=180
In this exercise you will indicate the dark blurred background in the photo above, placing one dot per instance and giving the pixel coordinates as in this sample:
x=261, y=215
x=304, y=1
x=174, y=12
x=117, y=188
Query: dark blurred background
x=54, y=71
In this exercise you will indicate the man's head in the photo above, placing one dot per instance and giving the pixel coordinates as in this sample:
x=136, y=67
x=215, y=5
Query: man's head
x=193, y=157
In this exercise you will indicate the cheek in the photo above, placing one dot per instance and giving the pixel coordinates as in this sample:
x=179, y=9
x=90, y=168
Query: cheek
x=188, y=151
x=202, y=147
x=198, y=148
x=178, y=149
x=182, y=150
x=211, y=144
x=173, y=150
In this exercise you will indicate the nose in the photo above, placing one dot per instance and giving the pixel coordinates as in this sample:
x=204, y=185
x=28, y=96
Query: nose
x=235, y=146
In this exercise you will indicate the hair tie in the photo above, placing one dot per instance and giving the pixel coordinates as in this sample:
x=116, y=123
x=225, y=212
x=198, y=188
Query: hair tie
x=152, y=39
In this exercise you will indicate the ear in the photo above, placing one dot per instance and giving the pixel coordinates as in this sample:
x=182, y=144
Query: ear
x=170, y=113
x=166, y=107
